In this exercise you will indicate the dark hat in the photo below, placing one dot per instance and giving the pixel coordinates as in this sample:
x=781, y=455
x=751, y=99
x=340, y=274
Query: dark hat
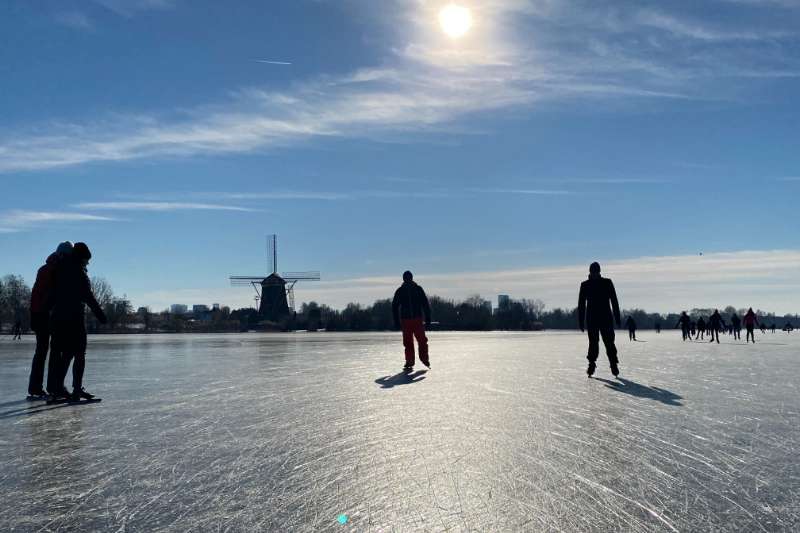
x=594, y=268
x=408, y=276
x=81, y=251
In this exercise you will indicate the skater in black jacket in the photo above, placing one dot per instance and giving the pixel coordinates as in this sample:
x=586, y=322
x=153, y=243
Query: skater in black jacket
x=595, y=316
x=409, y=306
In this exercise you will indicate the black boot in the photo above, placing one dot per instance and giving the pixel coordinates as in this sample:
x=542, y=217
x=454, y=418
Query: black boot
x=591, y=369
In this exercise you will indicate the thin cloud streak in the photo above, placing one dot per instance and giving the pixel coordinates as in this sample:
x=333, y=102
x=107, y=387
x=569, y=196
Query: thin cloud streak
x=268, y=62
x=19, y=220
x=158, y=206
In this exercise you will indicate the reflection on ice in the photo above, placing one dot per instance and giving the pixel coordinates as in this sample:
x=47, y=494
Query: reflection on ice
x=292, y=432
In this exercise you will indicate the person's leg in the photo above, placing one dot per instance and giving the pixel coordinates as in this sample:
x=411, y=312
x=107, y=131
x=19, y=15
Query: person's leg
x=55, y=366
x=594, y=348
x=422, y=340
x=611, y=349
x=36, y=380
x=408, y=340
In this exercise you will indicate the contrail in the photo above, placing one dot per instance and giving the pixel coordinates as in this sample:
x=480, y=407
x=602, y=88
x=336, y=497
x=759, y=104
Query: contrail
x=272, y=62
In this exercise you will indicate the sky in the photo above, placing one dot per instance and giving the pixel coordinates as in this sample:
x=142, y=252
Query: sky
x=659, y=138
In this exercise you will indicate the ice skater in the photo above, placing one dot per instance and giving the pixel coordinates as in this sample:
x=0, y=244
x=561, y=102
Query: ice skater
x=409, y=306
x=788, y=328
x=41, y=302
x=595, y=317
x=715, y=323
x=658, y=327
x=630, y=323
x=736, y=326
x=701, y=328
x=772, y=327
x=16, y=331
x=750, y=322
x=685, y=323
x=72, y=291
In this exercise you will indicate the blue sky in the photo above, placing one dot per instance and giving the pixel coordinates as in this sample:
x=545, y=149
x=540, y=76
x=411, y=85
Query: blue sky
x=172, y=136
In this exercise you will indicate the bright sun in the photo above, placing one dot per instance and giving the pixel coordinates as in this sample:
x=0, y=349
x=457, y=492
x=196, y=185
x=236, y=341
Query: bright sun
x=455, y=20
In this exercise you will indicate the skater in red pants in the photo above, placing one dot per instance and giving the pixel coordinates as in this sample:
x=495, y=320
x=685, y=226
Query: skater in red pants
x=409, y=307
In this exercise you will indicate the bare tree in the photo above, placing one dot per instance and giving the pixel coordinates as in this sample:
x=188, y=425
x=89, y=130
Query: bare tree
x=102, y=290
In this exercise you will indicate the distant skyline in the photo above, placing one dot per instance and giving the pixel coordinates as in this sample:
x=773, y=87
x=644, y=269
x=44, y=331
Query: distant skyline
x=173, y=136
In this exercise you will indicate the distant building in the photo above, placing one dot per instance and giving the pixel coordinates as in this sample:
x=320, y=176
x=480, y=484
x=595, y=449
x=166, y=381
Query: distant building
x=215, y=307
x=503, y=302
x=199, y=309
x=487, y=304
x=178, y=309
x=142, y=311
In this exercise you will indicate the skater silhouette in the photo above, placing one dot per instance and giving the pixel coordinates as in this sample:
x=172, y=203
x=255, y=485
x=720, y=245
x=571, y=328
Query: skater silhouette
x=630, y=323
x=41, y=301
x=750, y=322
x=736, y=326
x=595, y=316
x=685, y=324
x=701, y=328
x=409, y=306
x=658, y=327
x=72, y=291
x=16, y=331
x=715, y=323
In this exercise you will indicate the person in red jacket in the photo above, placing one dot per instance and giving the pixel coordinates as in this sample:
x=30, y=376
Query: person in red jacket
x=72, y=292
x=750, y=322
x=41, y=302
x=409, y=306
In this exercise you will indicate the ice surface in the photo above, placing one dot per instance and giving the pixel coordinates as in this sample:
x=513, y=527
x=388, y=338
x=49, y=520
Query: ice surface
x=288, y=432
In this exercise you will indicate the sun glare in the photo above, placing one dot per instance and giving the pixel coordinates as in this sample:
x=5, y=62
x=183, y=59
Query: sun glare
x=455, y=20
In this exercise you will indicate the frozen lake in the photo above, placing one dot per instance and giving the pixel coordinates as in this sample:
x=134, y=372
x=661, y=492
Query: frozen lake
x=286, y=432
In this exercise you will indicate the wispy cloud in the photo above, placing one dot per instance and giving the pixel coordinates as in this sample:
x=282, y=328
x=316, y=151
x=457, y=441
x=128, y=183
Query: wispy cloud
x=281, y=195
x=522, y=55
x=75, y=20
x=533, y=192
x=268, y=62
x=158, y=206
x=128, y=8
x=19, y=220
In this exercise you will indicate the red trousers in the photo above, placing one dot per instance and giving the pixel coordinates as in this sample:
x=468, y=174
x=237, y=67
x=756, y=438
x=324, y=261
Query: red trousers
x=414, y=327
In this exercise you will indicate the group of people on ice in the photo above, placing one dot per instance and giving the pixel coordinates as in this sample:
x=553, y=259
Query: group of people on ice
x=61, y=290
x=698, y=329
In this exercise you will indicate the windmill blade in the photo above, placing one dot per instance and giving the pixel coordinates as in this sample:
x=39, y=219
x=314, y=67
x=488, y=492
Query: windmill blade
x=245, y=280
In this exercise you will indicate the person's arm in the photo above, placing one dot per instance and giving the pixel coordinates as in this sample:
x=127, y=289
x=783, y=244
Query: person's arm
x=581, y=308
x=89, y=299
x=396, y=308
x=426, y=306
x=614, y=302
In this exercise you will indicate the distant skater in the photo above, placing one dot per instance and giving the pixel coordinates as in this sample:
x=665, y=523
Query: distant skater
x=409, y=306
x=595, y=316
x=71, y=291
x=701, y=328
x=16, y=331
x=715, y=323
x=685, y=324
x=692, y=329
x=41, y=302
x=630, y=323
x=772, y=327
x=736, y=326
x=788, y=328
x=750, y=322
x=658, y=327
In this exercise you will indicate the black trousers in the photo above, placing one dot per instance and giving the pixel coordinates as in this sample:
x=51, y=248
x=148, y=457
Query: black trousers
x=36, y=380
x=69, y=341
x=608, y=341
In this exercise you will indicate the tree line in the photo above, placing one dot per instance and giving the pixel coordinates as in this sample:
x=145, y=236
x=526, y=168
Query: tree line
x=472, y=314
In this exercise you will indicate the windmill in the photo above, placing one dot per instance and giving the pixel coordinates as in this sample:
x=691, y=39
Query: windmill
x=275, y=292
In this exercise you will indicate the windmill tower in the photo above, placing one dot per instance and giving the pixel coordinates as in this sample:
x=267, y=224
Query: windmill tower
x=275, y=291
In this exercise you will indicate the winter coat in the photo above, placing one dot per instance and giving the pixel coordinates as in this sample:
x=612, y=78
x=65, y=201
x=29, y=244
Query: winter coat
x=410, y=301
x=593, y=298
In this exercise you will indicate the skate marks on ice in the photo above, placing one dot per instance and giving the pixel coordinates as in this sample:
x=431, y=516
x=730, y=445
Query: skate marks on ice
x=401, y=378
x=643, y=391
